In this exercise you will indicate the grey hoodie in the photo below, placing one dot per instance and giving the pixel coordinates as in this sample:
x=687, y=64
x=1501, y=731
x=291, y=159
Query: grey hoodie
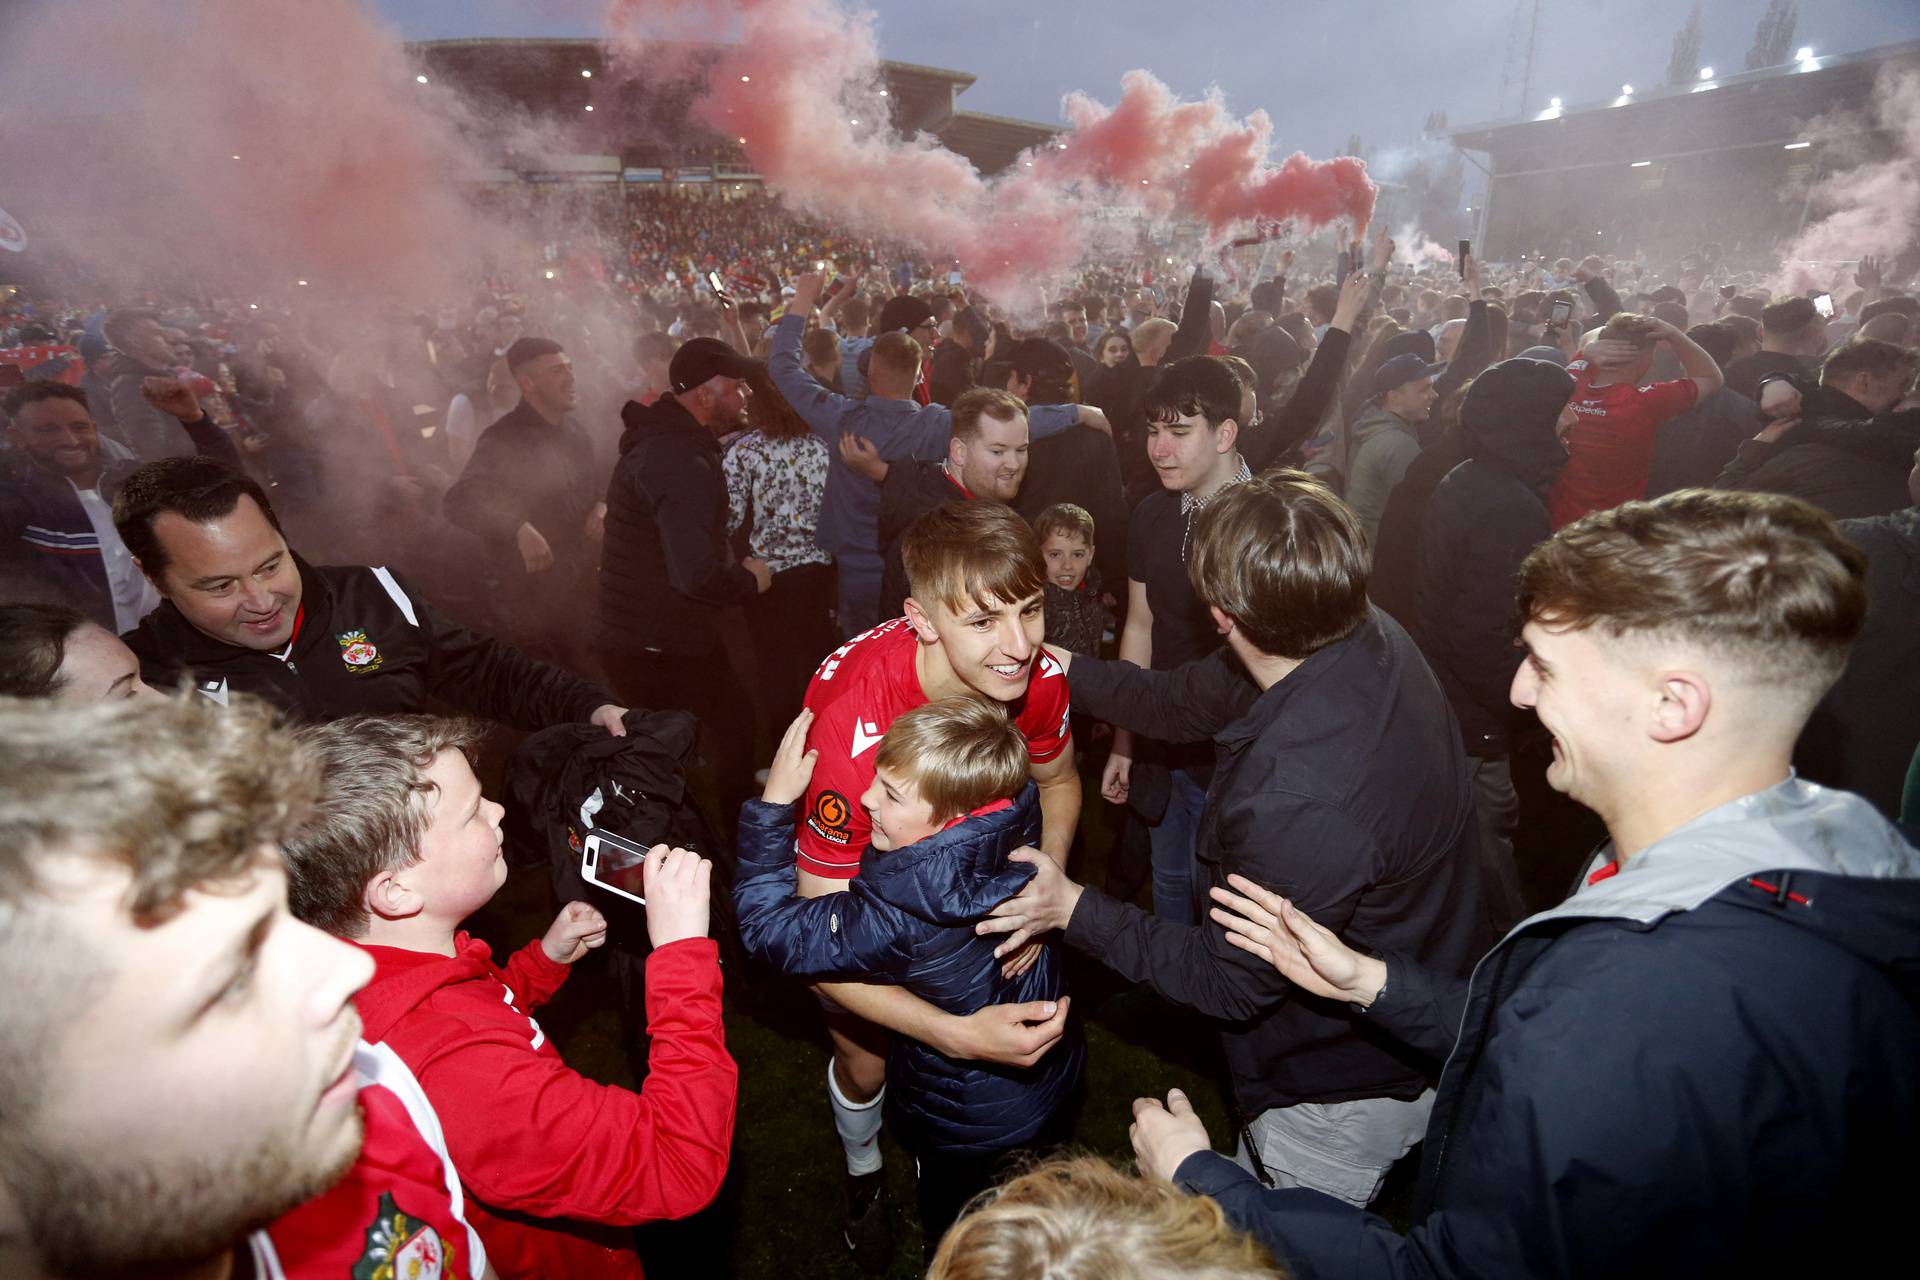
x=1384, y=446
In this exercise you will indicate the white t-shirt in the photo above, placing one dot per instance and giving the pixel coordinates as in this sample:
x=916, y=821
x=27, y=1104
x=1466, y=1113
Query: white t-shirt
x=133, y=596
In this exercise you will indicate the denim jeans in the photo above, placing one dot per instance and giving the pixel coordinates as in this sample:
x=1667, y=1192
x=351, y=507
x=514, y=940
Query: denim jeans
x=1173, y=843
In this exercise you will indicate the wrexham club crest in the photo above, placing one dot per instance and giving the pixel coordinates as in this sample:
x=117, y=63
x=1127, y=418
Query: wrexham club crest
x=401, y=1248
x=358, y=652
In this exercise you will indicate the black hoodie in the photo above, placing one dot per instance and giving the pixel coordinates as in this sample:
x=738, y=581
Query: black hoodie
x=666, y=570
x=1485, y=517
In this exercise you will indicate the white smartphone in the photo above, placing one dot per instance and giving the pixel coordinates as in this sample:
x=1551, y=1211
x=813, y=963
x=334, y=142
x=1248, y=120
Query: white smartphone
x=615, y=863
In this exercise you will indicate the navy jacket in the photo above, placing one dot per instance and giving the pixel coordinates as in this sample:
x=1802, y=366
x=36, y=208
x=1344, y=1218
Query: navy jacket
x=666, y=571
x=1343, y=787
x=907, y=918
x=1707, y=1064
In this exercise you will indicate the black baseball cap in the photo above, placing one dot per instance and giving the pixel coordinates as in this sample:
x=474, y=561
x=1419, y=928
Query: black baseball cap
x=904, y=314
x=1401, y=370
x=701, y=359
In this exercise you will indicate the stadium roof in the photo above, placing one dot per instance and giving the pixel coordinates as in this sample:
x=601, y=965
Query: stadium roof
x=1751, y=108
x=545, y=74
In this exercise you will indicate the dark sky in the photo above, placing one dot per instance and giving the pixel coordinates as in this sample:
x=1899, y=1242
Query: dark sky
x=1324, y=69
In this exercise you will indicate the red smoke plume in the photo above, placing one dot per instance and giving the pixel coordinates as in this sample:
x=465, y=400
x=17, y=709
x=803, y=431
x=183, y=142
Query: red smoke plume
x=799, y=81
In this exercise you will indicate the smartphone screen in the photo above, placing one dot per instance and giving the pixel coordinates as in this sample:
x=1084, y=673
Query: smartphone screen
x=1562, y=311
x=1460, y=257
x=714, y=282
x=1823, y=303
x=953, y=277
x=615, y=863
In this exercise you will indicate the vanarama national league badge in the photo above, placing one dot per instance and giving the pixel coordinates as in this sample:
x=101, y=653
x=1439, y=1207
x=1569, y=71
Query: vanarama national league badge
x=358, y=652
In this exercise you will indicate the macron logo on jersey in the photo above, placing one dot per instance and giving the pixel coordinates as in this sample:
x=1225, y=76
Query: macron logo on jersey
x=864, y=736
x=1048, y=667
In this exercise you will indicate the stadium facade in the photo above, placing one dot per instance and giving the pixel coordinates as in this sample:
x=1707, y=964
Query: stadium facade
x=1729, y=160
x=643, y=133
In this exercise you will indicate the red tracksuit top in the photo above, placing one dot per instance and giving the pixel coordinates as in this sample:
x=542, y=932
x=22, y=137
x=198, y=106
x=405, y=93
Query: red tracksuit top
x=530, y=1135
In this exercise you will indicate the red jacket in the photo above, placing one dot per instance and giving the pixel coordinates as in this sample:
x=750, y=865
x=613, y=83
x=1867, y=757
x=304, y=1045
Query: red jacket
x=534, y=1139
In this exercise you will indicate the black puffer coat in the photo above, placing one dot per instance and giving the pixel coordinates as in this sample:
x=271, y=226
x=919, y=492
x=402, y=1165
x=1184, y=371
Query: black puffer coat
x=907, y=918
x=1848, y=469
x=1487, y=514
x=666, y=571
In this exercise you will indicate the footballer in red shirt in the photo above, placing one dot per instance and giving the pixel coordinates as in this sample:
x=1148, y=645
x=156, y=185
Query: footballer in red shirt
x=973, y=626
x=1618, y=413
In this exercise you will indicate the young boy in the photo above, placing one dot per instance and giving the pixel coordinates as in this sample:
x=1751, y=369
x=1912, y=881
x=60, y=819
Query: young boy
x=948, y=803
x=401, y=849
x=1076, y=619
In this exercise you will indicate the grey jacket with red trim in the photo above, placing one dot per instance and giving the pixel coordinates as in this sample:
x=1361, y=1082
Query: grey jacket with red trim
x=1707, y=1064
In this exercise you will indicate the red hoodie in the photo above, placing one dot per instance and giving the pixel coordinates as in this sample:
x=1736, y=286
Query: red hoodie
x=556, y=1164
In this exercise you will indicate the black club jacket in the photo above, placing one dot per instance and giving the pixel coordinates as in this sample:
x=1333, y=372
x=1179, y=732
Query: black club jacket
x=367, y=644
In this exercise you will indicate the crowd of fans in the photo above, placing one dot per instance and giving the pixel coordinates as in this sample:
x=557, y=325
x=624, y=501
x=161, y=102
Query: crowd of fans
x=780, y=545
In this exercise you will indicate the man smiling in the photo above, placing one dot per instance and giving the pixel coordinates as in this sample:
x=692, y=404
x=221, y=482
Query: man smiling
x=986, y=458
x=1707, y=1059
x=973, y=627
x=242, y=612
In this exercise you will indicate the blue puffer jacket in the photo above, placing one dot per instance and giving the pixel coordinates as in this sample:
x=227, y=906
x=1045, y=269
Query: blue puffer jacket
x=907, y=918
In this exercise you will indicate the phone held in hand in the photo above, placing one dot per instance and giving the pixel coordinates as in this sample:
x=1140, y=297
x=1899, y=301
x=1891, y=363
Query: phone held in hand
x=1460, y=257
x=1823, y=303
x=1561, y=312
x=715, y=283
x=615, y=863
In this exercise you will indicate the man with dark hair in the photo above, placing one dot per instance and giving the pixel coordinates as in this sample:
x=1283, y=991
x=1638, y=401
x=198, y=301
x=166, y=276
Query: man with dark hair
x=1707, y=1059
x=956, y=360
x=1841, y=445
x=669, y=571
x=241, y=612
x=1338, y=775
x=531, y=491
x=986, y=458
x=1321, y=300
x=56, y=499
x=1792, y=336
x=143, y=355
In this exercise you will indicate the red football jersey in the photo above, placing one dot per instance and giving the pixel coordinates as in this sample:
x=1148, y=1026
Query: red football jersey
x=854, y=697
x=1611, y=447
x=400, y=1209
